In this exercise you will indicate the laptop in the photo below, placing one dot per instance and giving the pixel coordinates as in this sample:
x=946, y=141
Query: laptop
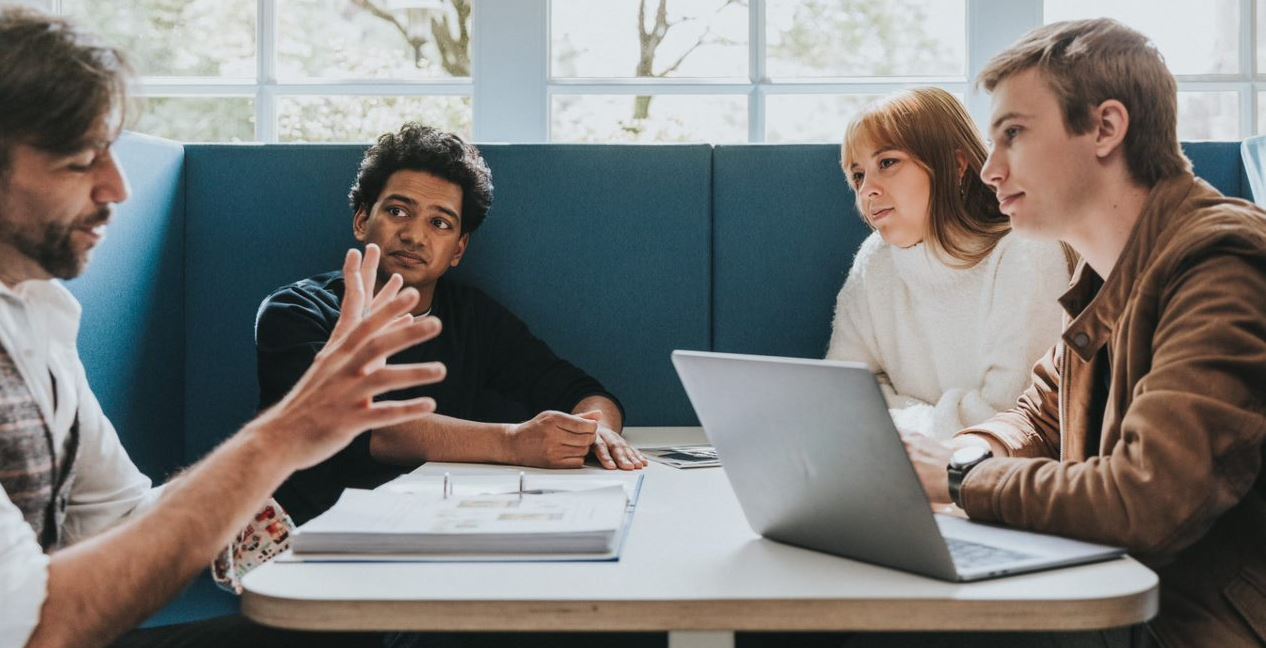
x=815, y=461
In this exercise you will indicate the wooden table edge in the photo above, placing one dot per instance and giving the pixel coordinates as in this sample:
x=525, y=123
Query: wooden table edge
x=704, y=615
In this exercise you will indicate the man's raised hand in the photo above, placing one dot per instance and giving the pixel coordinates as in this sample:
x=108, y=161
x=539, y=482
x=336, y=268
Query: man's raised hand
x=334, y=400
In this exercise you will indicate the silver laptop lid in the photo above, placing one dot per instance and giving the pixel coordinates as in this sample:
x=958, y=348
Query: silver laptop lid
x=810, y=450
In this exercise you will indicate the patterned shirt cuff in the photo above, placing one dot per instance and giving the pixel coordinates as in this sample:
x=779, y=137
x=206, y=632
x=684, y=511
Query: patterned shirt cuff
x=262, y=539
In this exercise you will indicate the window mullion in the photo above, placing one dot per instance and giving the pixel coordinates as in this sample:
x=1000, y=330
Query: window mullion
x=1248, y=67
x=266, y=71
x=992, y=26
x=510, y=70
x=756, y=71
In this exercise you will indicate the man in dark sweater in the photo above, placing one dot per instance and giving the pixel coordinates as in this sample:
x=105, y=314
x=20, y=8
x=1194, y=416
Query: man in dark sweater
x=419, y=196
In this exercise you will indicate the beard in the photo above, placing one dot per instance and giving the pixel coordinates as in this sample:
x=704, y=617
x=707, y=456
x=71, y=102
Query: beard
x=50, y=244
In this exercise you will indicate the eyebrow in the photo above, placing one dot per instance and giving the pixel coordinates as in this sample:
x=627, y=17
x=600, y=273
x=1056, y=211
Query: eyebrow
x=1004, y=117
x=79, y=147
x=881, y=151
x=413, y=203
x=94, y=144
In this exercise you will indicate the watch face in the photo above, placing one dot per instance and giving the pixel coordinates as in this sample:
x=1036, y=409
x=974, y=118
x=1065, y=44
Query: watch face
x=969, y=455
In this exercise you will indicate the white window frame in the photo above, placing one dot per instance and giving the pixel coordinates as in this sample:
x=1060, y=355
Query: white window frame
x=1246, y=83
x=266, y=89
x=512, y=91
x=991, y=26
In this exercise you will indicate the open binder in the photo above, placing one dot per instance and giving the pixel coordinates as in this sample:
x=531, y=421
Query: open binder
x=467, y=512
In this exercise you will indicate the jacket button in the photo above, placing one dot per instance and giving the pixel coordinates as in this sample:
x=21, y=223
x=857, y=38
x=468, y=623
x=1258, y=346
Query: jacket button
x=1081, y=339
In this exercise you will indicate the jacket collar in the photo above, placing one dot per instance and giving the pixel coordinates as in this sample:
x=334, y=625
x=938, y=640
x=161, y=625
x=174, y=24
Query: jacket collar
x=1094, y=309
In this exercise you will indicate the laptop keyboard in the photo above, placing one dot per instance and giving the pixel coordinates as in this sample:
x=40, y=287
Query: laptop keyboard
x=973, y=554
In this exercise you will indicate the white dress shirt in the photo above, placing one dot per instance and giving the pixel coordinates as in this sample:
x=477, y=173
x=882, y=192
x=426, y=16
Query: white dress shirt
x=39, y=324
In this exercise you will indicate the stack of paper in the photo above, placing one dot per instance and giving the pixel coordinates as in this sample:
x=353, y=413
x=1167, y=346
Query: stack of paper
x=483, y=479
x=684, y=456
x=386, y=522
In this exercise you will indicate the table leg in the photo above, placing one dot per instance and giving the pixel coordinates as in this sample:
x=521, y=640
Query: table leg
x=694, y=639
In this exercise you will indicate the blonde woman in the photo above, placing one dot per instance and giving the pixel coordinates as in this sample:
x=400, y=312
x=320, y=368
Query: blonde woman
x=942, y=302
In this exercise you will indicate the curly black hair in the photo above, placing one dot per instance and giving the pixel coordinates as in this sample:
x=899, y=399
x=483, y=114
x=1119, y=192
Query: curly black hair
x=421, y=148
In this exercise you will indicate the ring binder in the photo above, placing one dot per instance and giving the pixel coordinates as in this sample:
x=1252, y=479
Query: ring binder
x=447, y=488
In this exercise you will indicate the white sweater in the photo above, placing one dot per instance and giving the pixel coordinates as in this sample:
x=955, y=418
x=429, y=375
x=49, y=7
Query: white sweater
x=952, y=347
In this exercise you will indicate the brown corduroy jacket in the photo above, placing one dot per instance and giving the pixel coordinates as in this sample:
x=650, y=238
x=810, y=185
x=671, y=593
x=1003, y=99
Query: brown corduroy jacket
x=1144, y=425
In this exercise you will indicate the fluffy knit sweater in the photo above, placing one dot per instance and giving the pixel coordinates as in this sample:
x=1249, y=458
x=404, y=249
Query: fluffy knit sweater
x=951, y=346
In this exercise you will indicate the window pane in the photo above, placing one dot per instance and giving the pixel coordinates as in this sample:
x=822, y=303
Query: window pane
x=197, y=119
x=668, y=118
x=1261, y=37
x=373, y=39
x=811, y=118
x=1261, y=113
x=1208, y=116
x=213, y=38
x=848, y=38
x=362, y=119
x=1196, y=38
x=695, y=38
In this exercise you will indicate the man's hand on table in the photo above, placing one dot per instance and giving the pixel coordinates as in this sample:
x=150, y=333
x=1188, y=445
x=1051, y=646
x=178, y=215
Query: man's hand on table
x=555, y=439
x=550, y=439
x=613, y=451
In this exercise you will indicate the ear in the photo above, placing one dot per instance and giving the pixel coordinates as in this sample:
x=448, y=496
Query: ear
x=1112, y=122
x=461, y=251
x=960, y=159
x=360, y=225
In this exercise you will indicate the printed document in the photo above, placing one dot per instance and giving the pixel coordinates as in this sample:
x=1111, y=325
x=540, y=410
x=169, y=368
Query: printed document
x=542, y=522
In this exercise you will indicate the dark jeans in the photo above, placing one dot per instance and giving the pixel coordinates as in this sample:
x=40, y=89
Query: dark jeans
x=239, y=631
x=231, y=631
x=1135, y=637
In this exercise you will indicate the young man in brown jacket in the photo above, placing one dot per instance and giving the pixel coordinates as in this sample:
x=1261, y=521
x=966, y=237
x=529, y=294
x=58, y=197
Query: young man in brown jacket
x=1144, y=425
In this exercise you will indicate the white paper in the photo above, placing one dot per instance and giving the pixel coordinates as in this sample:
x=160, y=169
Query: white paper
x=393, y=522
x=476, y=479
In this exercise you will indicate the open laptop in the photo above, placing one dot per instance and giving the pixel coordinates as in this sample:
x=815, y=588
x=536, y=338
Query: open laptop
x=813, y=456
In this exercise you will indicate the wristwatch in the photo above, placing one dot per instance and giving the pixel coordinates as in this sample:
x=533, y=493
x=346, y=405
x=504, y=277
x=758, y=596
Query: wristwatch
x=961, y=463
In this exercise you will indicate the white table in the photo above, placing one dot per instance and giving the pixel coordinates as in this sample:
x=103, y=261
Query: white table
x=692, y=567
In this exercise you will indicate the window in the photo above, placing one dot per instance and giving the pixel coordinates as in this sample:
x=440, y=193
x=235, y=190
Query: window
x=291, y=70
x=856, y=52
x=1207, y=48
x=741, y=70
x=610, y=72
x=720, y=71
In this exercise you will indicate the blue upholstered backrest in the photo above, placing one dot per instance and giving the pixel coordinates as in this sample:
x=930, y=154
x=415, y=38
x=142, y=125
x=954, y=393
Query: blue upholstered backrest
x=615, y=255
x=785, y=231
x=603, y=251
x=257, y=217
x=132, y=334
x=1219, y=163
x=784, y=235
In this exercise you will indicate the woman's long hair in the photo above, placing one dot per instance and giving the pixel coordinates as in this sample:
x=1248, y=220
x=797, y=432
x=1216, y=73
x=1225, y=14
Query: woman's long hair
x=964, y=223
